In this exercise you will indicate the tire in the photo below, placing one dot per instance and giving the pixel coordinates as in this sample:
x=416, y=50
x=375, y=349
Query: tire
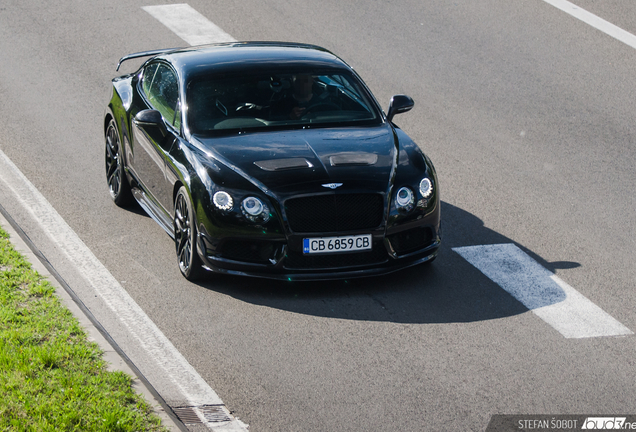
x=118, y=185
x=185, y=235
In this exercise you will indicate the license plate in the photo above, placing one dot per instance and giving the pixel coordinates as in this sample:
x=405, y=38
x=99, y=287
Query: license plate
x=321, y=245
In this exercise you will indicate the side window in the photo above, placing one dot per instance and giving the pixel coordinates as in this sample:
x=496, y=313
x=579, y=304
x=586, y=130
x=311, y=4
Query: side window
x=149, y=75
x=161, y=89
x=177, y=117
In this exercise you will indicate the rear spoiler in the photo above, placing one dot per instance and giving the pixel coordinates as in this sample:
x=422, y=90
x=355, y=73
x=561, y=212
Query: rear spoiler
x=145, y=54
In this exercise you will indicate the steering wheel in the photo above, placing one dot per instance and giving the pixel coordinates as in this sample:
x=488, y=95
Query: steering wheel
x=246, y=106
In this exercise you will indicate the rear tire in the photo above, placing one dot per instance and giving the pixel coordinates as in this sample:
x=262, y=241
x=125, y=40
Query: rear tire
x=118, y=185
x=185, y=235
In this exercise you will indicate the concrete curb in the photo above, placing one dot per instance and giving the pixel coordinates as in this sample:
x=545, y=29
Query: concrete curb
x=111, y=355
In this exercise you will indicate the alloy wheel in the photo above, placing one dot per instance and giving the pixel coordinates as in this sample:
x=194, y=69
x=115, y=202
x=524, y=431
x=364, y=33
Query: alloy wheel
x=113, y=161
x=183, y=233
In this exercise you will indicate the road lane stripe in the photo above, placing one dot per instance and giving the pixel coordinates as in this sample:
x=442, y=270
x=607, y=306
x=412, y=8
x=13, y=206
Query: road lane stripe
x=594, y=21
x=541, y=291
x=140, y=326
x=188, y=24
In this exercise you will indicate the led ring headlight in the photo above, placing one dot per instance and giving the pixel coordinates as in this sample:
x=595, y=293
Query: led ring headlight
x=223, y=201
x=426, y=188
x=255, y=210
x=404, y=199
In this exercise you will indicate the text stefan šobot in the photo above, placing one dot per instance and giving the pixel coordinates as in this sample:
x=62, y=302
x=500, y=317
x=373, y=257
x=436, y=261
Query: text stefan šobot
x=548, y=424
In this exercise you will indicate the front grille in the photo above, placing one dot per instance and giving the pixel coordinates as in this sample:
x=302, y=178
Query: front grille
x=411, y=240
x=248, y=251
x=334, y=213
x=300, y=261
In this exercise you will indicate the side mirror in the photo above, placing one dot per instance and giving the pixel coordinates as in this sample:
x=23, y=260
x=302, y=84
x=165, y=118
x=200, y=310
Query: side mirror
x=149, y=118
x=151, y=121
x=399, y=104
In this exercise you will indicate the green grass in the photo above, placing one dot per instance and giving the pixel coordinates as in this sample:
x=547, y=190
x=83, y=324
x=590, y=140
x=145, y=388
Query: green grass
x=51, y=377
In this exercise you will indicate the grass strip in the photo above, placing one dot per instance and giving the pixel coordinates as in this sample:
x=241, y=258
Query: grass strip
x=51, y=377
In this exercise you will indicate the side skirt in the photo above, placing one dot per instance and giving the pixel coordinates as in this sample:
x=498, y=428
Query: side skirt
x=154, y=211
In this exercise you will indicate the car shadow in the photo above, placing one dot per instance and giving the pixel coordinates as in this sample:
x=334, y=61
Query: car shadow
x=134, y=207
x=445, y=291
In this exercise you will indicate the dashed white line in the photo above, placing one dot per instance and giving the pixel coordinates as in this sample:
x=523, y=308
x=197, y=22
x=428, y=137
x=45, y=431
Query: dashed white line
x=541, y=291
x=188, y=24
x=595, y=21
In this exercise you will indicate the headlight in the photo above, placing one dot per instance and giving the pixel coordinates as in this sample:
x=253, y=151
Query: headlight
x=404, y=199
x=426, y=187
x=255, y=210
x=223, y=201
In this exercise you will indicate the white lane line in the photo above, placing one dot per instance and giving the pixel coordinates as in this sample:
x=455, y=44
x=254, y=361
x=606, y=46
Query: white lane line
x=145, y=332
x=595, y=21
x=188, y=24
x=541, y=291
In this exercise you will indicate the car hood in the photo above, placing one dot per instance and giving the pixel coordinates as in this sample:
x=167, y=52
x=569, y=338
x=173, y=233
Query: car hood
x=310, y=160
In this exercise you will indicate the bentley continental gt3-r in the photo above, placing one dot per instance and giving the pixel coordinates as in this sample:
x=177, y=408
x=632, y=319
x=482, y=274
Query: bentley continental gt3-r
x=270, y=160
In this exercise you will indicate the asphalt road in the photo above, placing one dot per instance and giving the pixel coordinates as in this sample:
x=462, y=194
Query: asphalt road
x=528, y=115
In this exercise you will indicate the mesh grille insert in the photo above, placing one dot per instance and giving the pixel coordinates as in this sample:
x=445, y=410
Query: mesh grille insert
x=248, y=251
x=334, y=213
x=411, y=240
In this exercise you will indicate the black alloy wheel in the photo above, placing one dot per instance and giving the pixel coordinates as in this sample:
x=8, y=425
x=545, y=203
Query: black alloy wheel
x=185, y=234
x=117, y=182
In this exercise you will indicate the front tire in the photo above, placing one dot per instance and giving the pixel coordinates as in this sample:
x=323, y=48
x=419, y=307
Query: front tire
x=118, y=185
x=185, y=235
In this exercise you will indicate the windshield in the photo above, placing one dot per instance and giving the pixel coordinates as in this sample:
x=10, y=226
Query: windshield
x=277, y=100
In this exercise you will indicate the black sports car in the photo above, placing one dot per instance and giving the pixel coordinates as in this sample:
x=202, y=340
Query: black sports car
x=271, y=160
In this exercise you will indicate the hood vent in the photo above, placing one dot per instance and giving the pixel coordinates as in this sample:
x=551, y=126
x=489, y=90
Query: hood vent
x=353, y=158
x=283, y=164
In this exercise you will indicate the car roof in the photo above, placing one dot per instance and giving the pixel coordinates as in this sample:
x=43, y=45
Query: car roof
x=247, y=57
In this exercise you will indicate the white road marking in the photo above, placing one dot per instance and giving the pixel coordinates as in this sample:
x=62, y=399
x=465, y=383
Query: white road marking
x=104, y=285
x=541, y=291
x=189, y=24
x=595, y=21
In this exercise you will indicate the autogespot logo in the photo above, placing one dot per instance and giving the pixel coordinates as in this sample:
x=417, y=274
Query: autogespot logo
x=604, y=423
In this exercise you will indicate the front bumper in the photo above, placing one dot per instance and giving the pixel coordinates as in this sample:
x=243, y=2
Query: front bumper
x=283, y=259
